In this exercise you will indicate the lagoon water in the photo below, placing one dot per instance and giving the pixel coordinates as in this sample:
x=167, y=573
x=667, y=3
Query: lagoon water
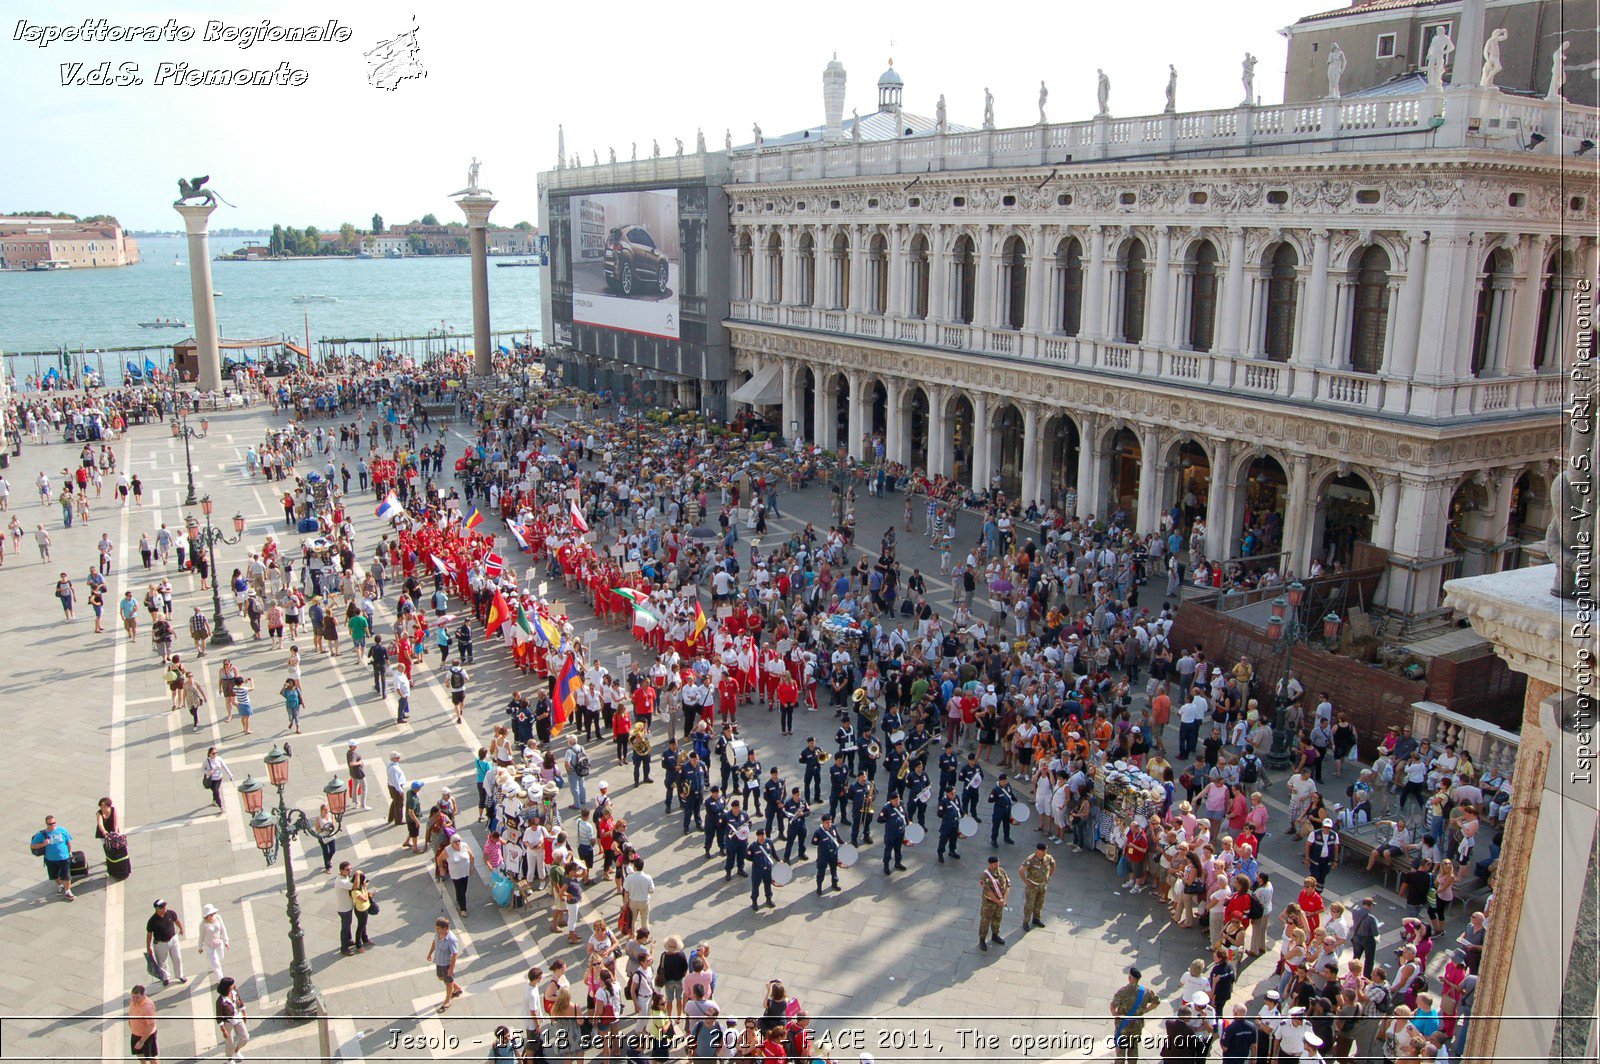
x=101, y=309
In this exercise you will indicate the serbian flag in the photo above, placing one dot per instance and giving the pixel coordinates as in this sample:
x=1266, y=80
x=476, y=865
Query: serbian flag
x=493, y=566
x=499, y=614
x=568, y=680
x=389, y=508
x=577, y=517
x=699, y=624
x=473, y=519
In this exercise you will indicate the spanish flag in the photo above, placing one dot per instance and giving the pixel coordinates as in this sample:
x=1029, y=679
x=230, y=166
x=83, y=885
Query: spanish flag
x=699, y=624
x=473, y=519
x=499, y=614
x=565, y=700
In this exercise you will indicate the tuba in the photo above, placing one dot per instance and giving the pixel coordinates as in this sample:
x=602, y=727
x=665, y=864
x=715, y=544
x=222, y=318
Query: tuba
x=874, y=751
x=870, y=711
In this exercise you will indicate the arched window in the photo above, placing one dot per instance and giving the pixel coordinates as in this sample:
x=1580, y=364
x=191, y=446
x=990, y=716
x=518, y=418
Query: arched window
x=1493, y=290
x=839, y=272
x=806, y=282
x=919, y=277
x=774, y=268
x=966, y=280
x=1202, y=295
x=1370, y=316
x=1283, y=291
x=744, y=257
x=1014, y=262
x=1133, y=286
x=1552, y=311
x=877, y=274
x=1069, y=267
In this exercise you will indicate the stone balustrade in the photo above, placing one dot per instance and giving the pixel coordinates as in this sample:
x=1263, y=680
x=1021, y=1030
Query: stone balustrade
x=1492, y=749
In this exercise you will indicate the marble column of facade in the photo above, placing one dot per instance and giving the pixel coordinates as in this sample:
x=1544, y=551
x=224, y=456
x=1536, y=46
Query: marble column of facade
x=1233, y=294
x=1147, y=511
x=894, y=434
x=938, y=430
x=1219, y=495
x=767, y=267
x=1089, y=454
x=1420, y=523
x=1034, y=315
x=791, y=428
x=1525, y=307
x=1310, y=351
x=1158, y=314
x=1400, y=361
x=982, y=441
x=1502, y=310
x=985, y=305
x=791, y=266
x=824, y=413
x=1030, y=453
x=939, y=262
x=857, y=416
x=856, y=297
x=1094, y=288
x=1447, y=287
x=1297, y=512
x=1383, y=529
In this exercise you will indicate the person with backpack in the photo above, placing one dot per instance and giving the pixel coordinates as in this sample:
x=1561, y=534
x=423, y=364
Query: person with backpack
x=1364, y=929
x=578, y=769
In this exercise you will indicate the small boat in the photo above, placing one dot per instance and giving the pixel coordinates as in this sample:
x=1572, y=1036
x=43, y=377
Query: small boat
x=164, y=323
x=520, y=262
x=177, y=261
x=316, y=299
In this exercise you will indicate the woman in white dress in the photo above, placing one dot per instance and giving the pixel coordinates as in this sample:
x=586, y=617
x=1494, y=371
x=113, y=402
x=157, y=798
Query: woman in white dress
x=213, y=939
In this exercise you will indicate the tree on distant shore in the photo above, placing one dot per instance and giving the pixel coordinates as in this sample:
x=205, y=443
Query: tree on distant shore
x=429, y=219
x=524, y=226
x=347, y=236
x=377, y=223
x=276, y=244
x=101, y=219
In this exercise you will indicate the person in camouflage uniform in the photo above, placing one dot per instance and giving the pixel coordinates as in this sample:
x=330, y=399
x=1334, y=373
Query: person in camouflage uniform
x=1036, y=872
x=994, y=887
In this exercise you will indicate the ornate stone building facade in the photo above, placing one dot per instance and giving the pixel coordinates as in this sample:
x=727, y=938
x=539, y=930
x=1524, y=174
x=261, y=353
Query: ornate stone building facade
x=1337, y=324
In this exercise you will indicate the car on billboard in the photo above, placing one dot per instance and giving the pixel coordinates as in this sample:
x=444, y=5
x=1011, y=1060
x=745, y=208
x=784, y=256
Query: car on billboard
x=631, y=258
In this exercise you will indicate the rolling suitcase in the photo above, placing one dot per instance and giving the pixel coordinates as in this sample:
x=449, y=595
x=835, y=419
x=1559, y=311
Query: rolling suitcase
x=118, y=864
x=80, y=865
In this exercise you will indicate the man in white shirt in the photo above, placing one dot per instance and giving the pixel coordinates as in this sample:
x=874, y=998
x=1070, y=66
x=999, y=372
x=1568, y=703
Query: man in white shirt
x=639, y=887
x=396, y=778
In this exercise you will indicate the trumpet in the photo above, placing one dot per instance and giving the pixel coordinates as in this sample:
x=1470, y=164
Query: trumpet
x=872, y=794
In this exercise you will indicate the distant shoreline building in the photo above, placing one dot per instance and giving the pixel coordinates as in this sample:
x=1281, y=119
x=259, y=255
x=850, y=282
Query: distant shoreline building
x=62, y=244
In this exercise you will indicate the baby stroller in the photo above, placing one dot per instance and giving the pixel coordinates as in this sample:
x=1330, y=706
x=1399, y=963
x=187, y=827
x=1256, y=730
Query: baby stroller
x=118, y=865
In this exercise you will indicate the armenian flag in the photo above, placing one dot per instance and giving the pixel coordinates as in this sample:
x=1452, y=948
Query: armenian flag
x=699, y=624
x=568, y=680
x=499, y=614
x=473, y=519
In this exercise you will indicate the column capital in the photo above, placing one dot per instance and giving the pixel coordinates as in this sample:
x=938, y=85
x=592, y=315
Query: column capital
x=477, y=209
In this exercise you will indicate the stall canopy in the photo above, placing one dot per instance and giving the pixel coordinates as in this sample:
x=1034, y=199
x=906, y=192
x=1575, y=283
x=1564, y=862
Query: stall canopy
x=764, y=389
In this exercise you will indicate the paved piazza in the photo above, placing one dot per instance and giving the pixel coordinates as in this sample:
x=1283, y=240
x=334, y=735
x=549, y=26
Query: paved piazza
x=888, y=966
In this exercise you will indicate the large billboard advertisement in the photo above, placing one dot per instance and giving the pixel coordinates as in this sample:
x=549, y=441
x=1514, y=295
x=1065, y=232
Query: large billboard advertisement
x=625, y=259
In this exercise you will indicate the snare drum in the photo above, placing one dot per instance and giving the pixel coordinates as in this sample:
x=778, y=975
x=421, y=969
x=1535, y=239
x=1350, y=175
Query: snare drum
x=915, y=833
x=782, y=875
x=737, y=749
x=849, y=855
x=1021, y=812
x=969, y=827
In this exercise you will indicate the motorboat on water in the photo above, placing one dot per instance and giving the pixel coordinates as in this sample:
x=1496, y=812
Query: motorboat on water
x=520, y=262
x=164, y=323
x=316, y=299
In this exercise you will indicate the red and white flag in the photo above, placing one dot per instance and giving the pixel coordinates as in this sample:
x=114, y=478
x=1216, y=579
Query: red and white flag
x=493, y=566
x=577, y=518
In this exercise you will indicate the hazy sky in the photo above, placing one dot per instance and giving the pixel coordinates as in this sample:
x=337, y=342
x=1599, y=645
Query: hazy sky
x=500, y=76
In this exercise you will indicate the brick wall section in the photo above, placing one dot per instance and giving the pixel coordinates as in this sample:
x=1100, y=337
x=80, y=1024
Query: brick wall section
x=1372, y=698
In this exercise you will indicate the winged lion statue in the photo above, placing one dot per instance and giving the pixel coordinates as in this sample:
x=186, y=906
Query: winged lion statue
x=195, y=189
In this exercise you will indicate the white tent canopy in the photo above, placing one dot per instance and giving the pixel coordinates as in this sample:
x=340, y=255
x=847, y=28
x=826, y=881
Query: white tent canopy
x=763, y=389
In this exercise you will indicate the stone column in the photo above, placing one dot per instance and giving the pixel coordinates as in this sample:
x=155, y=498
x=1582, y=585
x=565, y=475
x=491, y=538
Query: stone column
x=1094, y=287
x=204, y=301
x=1158, y=315
x=1388, y=510
x=894, y=434
x=791, y=403
x=854, y=446
x=1533, y=959
x=1298, y=512
x=938, y=431
x=982, y=441
x=1147, y=509
x=477, y=207
x=855, y=298
x=1030, y=453
x=823, y=411
x=894, y=307
x=988, y=281
x=1219, y=496
x=1311, y=352
x=1038, y=283
x=791, y=266
x=1447, y=289
x=1233, y=294
x=1089, y=465
x=1401, y=360
x=939, y=276
x=1420, y=520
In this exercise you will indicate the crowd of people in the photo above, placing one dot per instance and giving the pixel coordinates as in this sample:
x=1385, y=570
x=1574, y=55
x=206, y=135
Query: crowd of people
x=1052, y=669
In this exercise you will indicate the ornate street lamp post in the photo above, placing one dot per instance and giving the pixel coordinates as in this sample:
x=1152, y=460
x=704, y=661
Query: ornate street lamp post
x=181, y=427
x=274, y=831
x=219, y=628
x=1286, y=629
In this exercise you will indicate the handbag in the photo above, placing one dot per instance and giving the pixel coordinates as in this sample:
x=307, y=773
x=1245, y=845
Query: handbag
x=372, y=905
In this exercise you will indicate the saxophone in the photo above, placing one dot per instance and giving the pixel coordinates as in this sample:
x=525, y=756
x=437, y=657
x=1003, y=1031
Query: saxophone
x=903, y=771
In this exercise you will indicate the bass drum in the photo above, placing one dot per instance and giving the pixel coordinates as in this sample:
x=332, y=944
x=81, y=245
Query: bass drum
x=782, y=875
x=1020, y=813
x=969, y=827
x=849, y=855
x=915, y=833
